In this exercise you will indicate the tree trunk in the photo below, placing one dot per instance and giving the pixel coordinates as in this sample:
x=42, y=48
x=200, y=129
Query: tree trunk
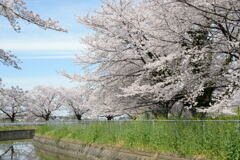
x=79, y=117
x=109, y=117
x=47, y=116
x=12, y=118
x=162, y=110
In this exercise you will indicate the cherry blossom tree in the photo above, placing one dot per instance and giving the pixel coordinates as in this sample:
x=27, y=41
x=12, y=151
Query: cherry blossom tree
x=111, y=53
x=43, y=101
x=161, y=53
x=106, y=103
x=13, y=102
x=76, y=98
x=99, y=100
x=216, y=37
x=203, y=72
x=15, y=10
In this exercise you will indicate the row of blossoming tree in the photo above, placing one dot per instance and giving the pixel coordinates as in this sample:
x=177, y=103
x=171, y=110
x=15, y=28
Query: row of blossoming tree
x=152, y=55
x=41, y=102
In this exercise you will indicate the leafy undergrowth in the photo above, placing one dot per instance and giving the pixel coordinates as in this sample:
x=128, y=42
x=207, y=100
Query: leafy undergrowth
x=198, y=139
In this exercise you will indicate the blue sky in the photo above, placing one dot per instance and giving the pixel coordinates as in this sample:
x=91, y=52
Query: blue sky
x=44, y=52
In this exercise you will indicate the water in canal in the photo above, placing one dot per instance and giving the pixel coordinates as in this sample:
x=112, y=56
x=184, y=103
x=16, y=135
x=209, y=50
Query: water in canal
x=18, y=151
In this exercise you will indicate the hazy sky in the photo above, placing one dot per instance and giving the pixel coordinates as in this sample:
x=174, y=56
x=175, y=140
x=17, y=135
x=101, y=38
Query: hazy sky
x=43, y=52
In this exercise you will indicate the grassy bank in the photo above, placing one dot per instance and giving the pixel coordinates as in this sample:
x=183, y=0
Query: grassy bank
x=203, y=139
x=12, y=127
x=45, y=157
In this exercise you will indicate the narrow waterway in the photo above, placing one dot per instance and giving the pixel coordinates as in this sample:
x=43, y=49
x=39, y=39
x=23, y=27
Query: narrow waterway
x=18, y=151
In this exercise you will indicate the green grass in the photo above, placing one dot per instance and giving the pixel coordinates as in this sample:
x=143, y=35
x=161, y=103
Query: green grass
x=211, y=139
x=9, y=128
x=45, y=157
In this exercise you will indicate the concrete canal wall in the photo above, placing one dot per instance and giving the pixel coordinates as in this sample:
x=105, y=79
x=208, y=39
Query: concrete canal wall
x=16, y=135
x=72, y=150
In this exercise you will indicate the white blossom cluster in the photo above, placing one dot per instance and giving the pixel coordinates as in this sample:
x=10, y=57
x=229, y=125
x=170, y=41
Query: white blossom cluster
x=161, y=52
x=15, y=10
x=9, y=59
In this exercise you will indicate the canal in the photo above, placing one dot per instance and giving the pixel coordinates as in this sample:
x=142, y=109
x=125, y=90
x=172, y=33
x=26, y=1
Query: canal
x=17, y=151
